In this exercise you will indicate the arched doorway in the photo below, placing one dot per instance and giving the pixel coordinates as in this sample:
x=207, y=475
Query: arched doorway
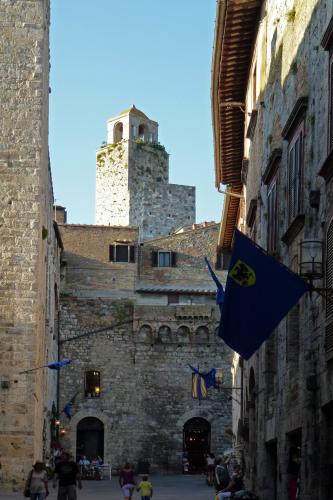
x=196, y=443
x=90, y=438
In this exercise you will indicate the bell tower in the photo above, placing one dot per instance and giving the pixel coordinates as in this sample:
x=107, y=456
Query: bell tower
x=132, y=179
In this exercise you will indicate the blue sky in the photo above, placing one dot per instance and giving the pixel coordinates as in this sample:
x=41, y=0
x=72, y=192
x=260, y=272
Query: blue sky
x=107, y=55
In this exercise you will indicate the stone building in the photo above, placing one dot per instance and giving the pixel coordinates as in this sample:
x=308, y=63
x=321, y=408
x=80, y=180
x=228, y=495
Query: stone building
x=272, y=116
x=134, y=315
x=30, y=243
x=132, y=179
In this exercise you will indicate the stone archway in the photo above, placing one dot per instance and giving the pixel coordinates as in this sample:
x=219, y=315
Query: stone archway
x=196, y=443
x=77, y=417
x=90, y=438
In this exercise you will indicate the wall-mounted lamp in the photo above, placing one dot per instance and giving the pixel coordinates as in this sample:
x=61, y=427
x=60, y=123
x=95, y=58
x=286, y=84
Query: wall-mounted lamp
x=97, y=390
x=219, y=377
x=57, y=422
x=62, y=432
x=311, y=260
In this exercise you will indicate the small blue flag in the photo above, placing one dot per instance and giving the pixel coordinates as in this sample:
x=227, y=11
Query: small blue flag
x=259, y=293
x=59, y=364
x=220, y=291
x=67, y=409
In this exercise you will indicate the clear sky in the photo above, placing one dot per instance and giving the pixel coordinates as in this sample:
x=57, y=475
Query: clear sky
x=107, y=55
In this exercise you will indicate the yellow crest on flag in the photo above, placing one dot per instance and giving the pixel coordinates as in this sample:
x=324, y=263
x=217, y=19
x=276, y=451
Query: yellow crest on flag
x=243, y=274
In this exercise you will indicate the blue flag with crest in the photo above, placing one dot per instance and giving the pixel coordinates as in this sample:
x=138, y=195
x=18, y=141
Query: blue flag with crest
x=259, y=293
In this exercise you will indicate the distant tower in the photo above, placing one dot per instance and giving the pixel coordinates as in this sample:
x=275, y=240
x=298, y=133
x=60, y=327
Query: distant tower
x=132, y=179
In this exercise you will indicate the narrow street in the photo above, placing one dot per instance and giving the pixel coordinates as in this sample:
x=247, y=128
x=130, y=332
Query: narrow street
x=165, y=488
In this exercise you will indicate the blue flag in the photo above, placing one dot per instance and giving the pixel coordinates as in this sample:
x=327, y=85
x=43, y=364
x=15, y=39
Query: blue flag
x=59, y=364
x=259, y=293
x=220, y=291
x=208, y=377
x=67, y=409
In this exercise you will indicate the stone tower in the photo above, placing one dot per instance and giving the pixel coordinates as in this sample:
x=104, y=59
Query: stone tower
x=28, y=297
x=132, y=179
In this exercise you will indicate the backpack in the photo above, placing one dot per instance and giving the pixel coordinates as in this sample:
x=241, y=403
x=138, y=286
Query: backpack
x=222, y=477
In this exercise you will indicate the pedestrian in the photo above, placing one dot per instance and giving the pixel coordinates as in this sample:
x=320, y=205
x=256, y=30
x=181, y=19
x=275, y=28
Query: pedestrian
x=127, y=481
x=222, y=477
x=67, y=473
x=210, y=467
x=145, y=488
x=36, y=486
x=236, y=484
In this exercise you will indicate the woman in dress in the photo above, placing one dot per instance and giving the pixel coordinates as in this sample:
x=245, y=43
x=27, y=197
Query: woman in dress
x=37, y=483
x=127, y=481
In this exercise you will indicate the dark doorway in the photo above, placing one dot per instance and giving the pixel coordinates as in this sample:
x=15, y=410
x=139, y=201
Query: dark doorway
x=271, y=469
x=196, y=443
x=90, y=438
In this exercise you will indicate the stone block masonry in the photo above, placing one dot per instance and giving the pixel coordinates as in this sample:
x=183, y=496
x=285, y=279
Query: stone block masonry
x=27, y=238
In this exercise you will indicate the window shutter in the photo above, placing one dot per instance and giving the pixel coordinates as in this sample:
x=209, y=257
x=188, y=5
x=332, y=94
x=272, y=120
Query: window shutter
x=111, y=253
x=154, y=259
x=173, y=259
x=218, y=260
x=330, y=124
x=329, y=267
x=132, y=253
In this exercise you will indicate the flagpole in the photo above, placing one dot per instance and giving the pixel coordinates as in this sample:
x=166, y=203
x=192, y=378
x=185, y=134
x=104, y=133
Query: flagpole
x=33, y=369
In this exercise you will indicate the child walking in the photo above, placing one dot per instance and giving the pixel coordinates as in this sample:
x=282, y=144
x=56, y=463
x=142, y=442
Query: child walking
x=145, y=488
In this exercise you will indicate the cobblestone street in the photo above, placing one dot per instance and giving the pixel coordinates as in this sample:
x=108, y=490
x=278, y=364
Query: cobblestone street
x=165, y=488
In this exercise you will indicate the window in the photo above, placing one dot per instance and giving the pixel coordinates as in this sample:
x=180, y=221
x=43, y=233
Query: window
x=295, y=173
x=272, y=215
x=118, y=132
x=92, y=384
x=164, y=259
x=329, y=284
x=173, y=298
x=330, y=106
x=122, y=253
x=222, y=260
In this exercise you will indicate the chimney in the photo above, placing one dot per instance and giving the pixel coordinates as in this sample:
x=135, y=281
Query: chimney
x=60, y=214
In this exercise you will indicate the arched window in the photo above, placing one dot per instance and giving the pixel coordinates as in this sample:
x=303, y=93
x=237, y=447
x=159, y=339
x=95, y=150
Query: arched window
x=145, y=334
x=118, y=132
x=164, y=334
x=143, y=133
x=92, y=384
x=202, y=334
x=183, y=334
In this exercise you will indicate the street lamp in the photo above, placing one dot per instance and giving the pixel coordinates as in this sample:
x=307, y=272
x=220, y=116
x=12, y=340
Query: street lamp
x=311, y=260
x=218, y=377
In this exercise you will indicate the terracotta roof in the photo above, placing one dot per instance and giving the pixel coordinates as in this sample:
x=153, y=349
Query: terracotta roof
x=236, y=26
x=180, y=288
x=131, y=110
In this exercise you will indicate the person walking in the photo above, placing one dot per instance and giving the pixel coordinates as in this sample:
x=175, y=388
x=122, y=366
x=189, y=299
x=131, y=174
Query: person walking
x=210, y=467
x=127, y=481
x=67, y=473
x=145, y=488
x=36, y=486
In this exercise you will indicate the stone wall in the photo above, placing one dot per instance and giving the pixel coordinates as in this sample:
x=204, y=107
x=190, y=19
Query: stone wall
x=145, y=379
x=283, y=406
x=142, y=346
x=28, y=262
x=190, y=246
x=86, y=266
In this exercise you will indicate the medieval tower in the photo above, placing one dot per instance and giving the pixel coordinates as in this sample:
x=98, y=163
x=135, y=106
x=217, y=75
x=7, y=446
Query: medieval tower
x=132, y=179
